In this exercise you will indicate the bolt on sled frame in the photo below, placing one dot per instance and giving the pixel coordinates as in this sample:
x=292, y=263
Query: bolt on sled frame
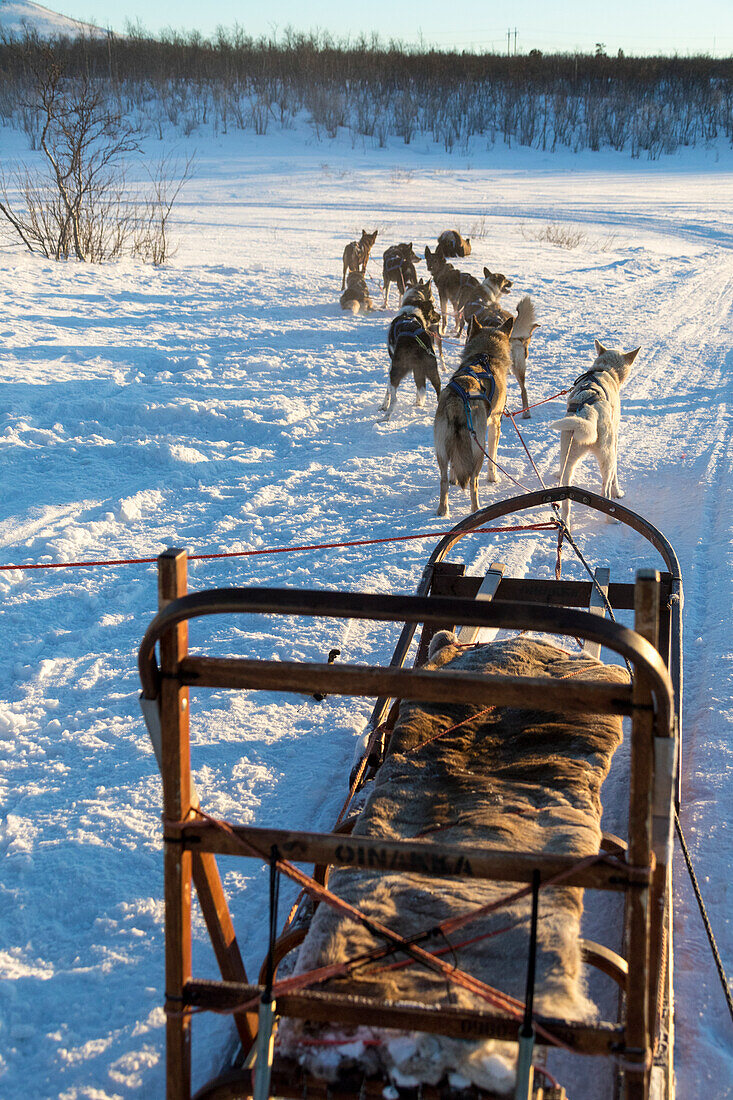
x=640, y=1041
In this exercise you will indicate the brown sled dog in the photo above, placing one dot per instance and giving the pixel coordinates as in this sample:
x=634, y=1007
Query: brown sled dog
x=356, y=254
x=398, y=267
x=410, y=346
x=492, y=315
x=473, y=293
x=356, y=296
x=472, y=401
x=451, y=243
x=451, y=283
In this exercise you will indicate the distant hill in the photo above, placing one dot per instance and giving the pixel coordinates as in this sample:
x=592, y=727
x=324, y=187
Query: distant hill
x=17, y=16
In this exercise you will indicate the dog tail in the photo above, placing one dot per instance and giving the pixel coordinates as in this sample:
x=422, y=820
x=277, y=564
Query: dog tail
x=525, y=319
x=352, y=305
x=584, y=429
x=454, y=445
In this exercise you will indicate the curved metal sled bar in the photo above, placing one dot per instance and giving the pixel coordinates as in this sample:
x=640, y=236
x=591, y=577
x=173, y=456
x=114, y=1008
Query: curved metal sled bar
x=407, y=609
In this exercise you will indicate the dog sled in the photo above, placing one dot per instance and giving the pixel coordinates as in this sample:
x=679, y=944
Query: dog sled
x=332, y=1017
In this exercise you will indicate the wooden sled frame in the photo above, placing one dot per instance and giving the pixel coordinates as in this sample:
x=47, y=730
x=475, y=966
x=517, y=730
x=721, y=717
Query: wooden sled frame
x=642, y=871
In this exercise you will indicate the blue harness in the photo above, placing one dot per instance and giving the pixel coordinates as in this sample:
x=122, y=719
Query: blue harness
x=394, y=263
x=408, y=327
x=482, y=361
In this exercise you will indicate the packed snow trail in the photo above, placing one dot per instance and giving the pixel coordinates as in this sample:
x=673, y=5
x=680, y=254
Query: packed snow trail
x=225, y=402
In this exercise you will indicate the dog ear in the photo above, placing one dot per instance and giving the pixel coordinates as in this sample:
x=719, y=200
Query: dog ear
x=507, y=326
x=600, y=350
x=537, y=325
x=487, y=273
x=474, y=326
x=630, y=356
x=428, y=253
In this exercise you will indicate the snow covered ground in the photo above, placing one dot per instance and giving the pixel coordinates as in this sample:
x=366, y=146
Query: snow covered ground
x=225, y=402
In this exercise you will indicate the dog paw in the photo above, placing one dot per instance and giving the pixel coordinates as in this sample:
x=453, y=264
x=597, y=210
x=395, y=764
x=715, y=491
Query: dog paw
x=443, y=512
x=527, y=415
x=619, y=493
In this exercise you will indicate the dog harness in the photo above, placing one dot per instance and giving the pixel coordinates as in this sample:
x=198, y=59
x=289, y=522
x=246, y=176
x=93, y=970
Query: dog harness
x=395, y=263
x=408, y=328
x=482, y=361
x=587, y=380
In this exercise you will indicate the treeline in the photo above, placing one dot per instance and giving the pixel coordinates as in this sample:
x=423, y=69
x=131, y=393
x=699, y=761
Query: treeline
x=642, y=105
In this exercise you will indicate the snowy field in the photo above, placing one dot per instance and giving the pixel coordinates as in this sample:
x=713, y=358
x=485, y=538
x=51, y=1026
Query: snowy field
x=225, y=402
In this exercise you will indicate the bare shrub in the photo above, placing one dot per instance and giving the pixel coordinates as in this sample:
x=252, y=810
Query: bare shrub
x=77, y=202
x=479, y=229
x=560, y=235
x=151, y=239
x=83, y=142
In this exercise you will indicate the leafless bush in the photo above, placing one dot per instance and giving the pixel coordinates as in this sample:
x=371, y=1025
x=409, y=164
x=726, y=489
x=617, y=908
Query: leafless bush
x=561, y=235
x=77, y=202
x=479, y=229
x=151, y=233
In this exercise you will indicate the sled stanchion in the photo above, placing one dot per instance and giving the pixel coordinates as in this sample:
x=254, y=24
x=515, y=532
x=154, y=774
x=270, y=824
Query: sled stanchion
x=176, y=775
x=637, y=1055
x=266, y=1029
x=525, y=1071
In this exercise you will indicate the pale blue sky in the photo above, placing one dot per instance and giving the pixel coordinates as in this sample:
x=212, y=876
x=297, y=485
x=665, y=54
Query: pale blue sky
x=636, y=26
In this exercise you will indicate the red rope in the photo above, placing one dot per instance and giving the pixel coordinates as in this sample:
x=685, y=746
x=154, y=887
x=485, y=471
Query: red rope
x=560, y=393
x=526, y=448
x=280, y=549
x=501, y=468
x=502, y=1001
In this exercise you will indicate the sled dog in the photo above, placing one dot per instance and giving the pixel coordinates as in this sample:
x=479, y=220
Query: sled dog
x=592, y=420
x=451, y=243
x=356, y=254
x=489, y=291
x=410, y=346
x=423, y=292
x=472, y=401
x=356, y=296
x=451, y=283
x=398, y=267
x=492, y=315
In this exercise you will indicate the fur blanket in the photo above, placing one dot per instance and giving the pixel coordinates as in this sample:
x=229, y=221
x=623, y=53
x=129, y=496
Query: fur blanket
x=511, y=779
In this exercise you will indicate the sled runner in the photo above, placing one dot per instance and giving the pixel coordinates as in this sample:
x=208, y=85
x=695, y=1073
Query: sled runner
x=439, y=932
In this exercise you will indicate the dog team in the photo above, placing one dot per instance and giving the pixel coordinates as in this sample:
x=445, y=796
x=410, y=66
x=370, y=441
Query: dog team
x=471, y=405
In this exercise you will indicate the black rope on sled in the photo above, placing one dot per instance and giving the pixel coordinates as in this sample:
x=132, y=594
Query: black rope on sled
x=565, y=534
x=527, y=1028
x=705, y=919
x=274, y=898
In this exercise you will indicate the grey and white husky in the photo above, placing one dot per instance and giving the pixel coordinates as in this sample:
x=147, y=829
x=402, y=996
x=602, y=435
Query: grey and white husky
x=592, y=421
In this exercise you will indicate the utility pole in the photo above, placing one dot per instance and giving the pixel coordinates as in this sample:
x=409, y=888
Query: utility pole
x=515, y=41
x=508, y=40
